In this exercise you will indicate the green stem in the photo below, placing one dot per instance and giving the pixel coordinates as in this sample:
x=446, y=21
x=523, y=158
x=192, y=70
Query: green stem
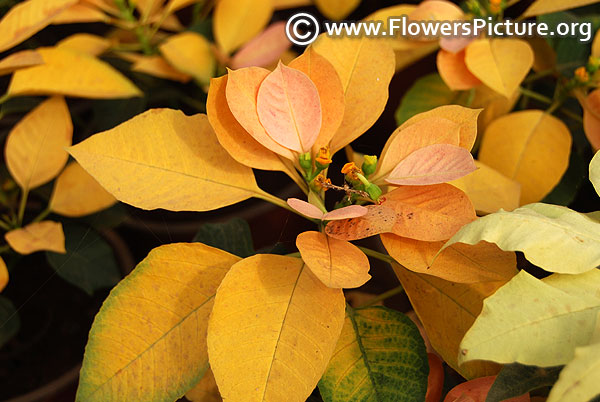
x=5, y=226
x=378, y=255
x=22, y=206
x=42, y=215
x=554, y=107
x=390, y=293
x=127, y=14
x=571, y=115
x=4, y=249
x=535, y=95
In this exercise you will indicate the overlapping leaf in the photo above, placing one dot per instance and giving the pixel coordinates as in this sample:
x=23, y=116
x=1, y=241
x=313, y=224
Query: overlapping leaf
x=552, y=237
x=37, y=236
x=380, y=356
x=237, y=21
x=164, y=159
x=18, y=60
x=190, y=53
x=477, y=390
x=454, y=71
x=336, y=9
x=264, y=49
x=155, y=319
x=337, y=263
x=578, y=381
x=552, y=318
x=274, y=325
x=85, y=43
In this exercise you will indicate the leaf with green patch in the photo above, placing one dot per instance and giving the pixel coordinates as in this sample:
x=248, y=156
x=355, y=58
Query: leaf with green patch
x=89, y=262
x=380, y=356
x=426, y=94
x=517, y=379
x=9, y=320
x=233, y=236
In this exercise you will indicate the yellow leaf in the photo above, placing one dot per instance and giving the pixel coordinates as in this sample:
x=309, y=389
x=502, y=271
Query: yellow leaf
x=76, y=193
x=235, y=22
x=85, y=43
x=232, y=136
x=544, y=54
x=273, y=329
x=35, y=151
x=38, y=236
x=174, y=5
x=164, y=159
x=337, y=263
x=336, y=9
x=18, y=60
x=190, y=53
x=79, y=14
x=454, y=71
x=206, y=390
x=148, y=342
x=147, y=7
x=158, y=67
x=596, y=45
x=408, y=139
x=108, y=6
x=331, y=92
x=69, y=73
x=3, y=275
x=540, y=7
x=530, y=147
x=501, y=64
x=489, y=190
x=406, y=57
x=493, y=104
x=365, y=67
x=484, y=262
x=447, y=310
x=27, y=18
x=285, y=4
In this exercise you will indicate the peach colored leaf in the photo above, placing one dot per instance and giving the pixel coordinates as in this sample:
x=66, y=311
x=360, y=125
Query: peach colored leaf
x=337, y=263
x=365, y=68
x=38, y=236
x=85, y=43
x=165, y=159
x=305, y=208
x=489, y=190
x=27, y=18
x=69, y=73
x=351, y=211
x=408, y=139
x=232, y=136
x=378, y=219
x=429, y=213
x=191, y=54
x=531, y=147
x=478, y=390
x=331, y=93
x=273, y=329
x=591, y=118
x=235, y=22
x=242, y=93
x=336, y=9
x=289, y=108
x=76, y=193
x=18, y=60
x=437, y=10
x=465, y=117
x=454, y=45
x=484, y=262
x=501, y=64
x=434, y=164
x=35, y=148
x=264, y=49
x=79, y=14
x=4, y=277
x=157, y=66
x=454, y=71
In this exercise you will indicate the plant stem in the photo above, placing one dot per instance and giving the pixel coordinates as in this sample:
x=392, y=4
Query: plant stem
x=535, y=95
x=42, y=215
x=22, y=206
x=127, y=14
x=5, y=226
x=386, y=295
x=377, y=255
x=4, y=249
x=554, y=107
x=571, y=115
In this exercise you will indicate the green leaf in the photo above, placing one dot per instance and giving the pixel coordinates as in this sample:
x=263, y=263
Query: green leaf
x=552, y=237
x=380, y=356
x=9, y=320
x=426, y=94
x=579, y=381
x=233, y=236
x=516, y=379
x=89, y=262
x=535, y=322
x=148, y=341
x=595, y=172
